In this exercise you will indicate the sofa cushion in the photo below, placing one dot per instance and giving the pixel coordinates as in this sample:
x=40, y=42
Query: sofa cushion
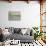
x=23, y=31
x=20, y=37
x=0, y=31
x=11, y=30
x=17, y=30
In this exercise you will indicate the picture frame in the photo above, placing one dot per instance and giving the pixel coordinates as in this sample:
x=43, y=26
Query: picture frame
x=14, y=16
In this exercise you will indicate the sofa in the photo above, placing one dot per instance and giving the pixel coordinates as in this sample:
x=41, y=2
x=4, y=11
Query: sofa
x=22, y=34
x=18, y=35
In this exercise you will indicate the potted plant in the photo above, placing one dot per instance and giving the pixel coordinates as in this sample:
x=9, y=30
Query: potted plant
x=37, y=33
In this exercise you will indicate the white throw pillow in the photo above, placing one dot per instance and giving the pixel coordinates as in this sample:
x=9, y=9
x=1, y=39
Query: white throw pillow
x=23, y=31
x=5, y=32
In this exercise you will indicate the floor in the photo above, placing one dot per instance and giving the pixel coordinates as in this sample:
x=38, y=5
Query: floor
x=35, y=43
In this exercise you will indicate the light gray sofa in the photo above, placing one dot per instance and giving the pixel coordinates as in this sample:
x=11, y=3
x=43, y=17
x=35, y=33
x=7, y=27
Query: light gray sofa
x=17, y=35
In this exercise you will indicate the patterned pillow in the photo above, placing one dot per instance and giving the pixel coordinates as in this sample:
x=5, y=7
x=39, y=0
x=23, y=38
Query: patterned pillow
x=17, y=30
x=11, y=30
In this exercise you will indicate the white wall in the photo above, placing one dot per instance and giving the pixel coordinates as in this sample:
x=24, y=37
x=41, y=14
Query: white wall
x=30, y=14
